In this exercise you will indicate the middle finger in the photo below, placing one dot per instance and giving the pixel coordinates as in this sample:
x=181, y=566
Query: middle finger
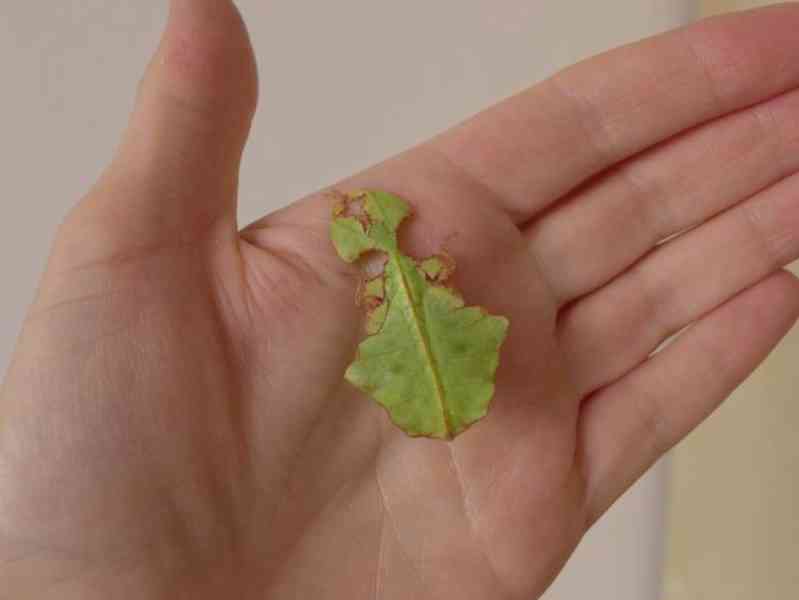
x=606, y=227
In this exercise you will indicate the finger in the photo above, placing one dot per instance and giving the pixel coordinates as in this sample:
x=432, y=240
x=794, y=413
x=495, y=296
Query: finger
x=533, y=148
x=600, y=232
x=627, y=426
x=177, y=167
x=609, y=332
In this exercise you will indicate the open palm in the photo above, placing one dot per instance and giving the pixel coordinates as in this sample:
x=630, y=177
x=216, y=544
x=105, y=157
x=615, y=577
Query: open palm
x=175, y=419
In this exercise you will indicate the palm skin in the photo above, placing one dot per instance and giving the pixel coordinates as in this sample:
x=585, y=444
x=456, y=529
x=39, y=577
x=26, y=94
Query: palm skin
x=175, y=419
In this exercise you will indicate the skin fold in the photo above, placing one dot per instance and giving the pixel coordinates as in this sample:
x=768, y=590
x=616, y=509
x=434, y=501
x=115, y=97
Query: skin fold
x=175, y=423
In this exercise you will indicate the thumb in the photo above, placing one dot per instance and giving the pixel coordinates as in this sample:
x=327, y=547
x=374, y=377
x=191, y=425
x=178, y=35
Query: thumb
x=176, y=171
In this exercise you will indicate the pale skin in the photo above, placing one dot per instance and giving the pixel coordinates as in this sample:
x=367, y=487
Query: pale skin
x=175, y=422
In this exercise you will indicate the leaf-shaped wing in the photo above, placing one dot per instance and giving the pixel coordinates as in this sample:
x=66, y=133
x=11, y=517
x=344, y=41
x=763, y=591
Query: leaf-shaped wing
x=429, y=359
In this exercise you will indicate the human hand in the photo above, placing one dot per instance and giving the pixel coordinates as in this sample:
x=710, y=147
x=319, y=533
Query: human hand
x=175, y=421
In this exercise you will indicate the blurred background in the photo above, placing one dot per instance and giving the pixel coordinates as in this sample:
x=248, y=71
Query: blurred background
x=715, y=7
x=347, y=88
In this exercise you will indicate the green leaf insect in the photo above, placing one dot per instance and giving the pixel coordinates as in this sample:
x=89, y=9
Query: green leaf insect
x=429, y=359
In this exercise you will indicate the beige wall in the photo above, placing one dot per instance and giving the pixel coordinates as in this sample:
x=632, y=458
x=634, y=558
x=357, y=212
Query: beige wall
x=711, y=7
x=733, y=518
x=328, y=108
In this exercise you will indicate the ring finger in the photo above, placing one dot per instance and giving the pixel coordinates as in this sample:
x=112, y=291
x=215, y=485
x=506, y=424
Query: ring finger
x=612, y=330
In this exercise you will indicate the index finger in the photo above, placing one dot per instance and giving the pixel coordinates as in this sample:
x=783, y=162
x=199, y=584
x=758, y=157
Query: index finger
x=535, y=147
